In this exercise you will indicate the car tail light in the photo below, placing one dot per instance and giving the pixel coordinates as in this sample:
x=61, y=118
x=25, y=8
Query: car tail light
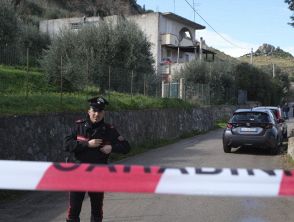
x=268, y=126
x=229, y=126
x=278, y=115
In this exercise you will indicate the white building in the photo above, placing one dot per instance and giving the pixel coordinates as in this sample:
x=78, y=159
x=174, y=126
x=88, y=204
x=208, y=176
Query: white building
x=173, y=37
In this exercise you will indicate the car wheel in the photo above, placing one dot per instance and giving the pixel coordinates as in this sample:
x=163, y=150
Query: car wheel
x=227, y=148
x=275, y=149
x=285, y=135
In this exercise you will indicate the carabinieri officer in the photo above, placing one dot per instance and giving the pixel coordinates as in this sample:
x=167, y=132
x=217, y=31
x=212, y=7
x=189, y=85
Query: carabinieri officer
x=92, y=141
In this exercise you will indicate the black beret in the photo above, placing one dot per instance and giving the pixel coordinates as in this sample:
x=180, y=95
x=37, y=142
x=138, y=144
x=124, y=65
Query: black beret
x=98, y=103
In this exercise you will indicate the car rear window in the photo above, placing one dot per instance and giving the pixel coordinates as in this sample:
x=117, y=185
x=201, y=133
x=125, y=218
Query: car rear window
x=250, y=117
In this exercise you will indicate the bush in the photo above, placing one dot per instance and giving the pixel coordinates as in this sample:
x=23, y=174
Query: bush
x=35, y=41
x=88, y=56
x=9, y=25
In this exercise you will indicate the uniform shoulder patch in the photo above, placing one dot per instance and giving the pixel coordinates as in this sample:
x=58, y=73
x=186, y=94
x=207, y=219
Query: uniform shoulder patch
x=80, y=121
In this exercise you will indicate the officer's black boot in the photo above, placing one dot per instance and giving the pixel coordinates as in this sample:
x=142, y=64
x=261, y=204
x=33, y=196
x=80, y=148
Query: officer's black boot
x=72, y=220
x=96, y=219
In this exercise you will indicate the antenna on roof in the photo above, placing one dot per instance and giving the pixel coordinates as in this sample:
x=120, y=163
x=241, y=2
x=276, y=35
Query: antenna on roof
x=175, y=6
x=195, y=4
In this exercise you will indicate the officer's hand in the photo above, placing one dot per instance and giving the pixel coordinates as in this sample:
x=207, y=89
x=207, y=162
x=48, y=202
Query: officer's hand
x=106, y=149
x=94, y=143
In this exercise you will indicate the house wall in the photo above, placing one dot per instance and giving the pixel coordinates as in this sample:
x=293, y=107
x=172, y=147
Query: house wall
x=156, y=24
x=147, y=22
x=149, y=25
x=54, y=26
x=170, y=26
x=152, y=24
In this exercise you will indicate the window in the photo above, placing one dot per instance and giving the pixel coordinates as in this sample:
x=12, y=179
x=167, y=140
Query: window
x=251, y=117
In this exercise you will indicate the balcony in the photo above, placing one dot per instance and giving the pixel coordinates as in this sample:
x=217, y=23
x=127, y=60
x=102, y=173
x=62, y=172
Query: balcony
x=169, y=39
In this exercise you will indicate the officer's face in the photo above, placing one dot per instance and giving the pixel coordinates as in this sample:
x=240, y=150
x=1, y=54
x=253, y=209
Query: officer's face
x=95, y=116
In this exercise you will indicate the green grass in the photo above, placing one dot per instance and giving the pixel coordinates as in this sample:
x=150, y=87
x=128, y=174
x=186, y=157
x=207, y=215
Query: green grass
x=125, y=101
x=221, y=124
x=15, y=81
x=23, y=92
x=38, y=103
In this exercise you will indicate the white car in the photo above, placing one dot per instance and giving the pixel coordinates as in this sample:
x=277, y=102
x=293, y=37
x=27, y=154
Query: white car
x=278, y=114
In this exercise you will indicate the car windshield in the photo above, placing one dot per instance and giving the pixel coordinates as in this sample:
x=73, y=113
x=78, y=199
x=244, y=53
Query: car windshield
x=251, y=117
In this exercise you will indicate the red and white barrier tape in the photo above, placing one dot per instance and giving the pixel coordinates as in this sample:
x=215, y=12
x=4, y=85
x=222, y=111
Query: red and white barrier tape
x=25, y=175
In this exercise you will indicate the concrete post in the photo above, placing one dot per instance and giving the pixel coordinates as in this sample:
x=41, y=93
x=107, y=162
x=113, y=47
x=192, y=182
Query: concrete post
x=200, y=48
x=162, y=89
x=182, y=89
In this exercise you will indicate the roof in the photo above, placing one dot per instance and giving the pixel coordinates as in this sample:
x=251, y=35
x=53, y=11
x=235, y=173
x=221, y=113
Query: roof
x=183, y=20
x=265, y=110
x=206, y=51
x=242, y=110
x=266, y=107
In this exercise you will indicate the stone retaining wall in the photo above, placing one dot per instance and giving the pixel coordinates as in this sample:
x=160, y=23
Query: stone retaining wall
x=40, y=137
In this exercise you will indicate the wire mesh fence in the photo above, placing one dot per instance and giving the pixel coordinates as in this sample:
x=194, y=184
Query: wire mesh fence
x=202, y=94
x=117, y=79
x=199, y=93
x=11, y=55
x=15, y=55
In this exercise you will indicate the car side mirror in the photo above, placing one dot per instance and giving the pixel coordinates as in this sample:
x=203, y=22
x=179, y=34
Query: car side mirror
x=281, y=120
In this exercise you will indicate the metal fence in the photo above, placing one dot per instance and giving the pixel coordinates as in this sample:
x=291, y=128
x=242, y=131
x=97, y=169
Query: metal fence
x=171, y=90
x=18, y=56
x=11, y=55
x=113, y=79
x=202, y=94
x=198, y=93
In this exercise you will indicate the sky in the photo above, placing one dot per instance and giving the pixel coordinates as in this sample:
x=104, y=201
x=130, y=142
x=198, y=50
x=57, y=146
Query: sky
x=234, y=26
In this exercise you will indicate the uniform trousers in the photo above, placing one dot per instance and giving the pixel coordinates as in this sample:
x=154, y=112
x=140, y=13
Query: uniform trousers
x=76, y=201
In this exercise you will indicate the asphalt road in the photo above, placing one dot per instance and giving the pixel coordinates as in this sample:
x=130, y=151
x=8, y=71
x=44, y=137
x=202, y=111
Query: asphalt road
x=200, y=151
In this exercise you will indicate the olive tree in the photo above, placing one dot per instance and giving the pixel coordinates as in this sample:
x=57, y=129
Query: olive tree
x=195, y=72
x=89, y=56
x=222, y=85
x=291, y=7
x=9, y=23
x=260, y=86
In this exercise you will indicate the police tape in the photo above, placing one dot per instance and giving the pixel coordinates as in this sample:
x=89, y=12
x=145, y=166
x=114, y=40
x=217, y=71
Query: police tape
x=27, y=175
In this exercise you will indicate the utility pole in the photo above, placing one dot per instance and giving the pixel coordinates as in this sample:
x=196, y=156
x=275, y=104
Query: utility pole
x=274, y=71
x=251, y=56
x=194, y=9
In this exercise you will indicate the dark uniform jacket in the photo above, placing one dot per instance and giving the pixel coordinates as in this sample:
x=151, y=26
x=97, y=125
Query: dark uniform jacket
x=76, y=144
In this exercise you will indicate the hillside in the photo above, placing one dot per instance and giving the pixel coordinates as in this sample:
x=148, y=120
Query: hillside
x=267, y=55
x=52, y=9
x=221, y=56
x=32, y=11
